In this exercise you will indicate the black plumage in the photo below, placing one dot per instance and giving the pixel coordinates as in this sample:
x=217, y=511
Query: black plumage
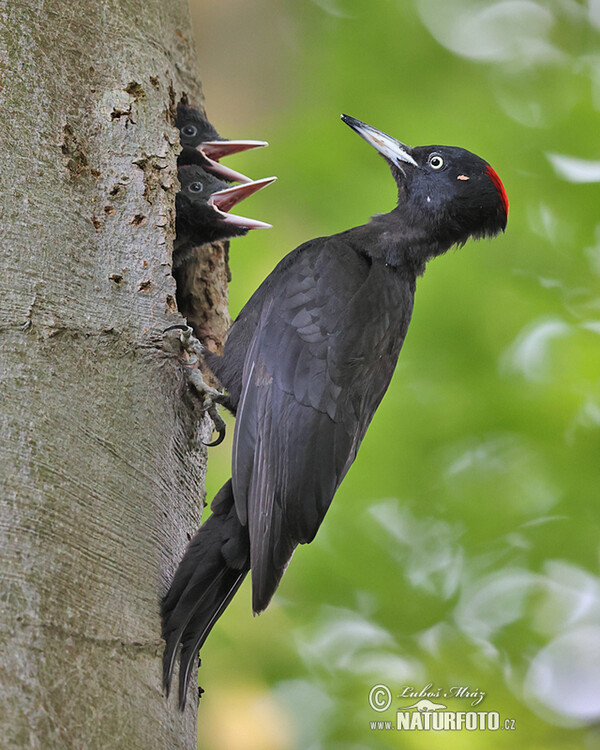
x=202, y=145
x=306, y=364
x=202, y=207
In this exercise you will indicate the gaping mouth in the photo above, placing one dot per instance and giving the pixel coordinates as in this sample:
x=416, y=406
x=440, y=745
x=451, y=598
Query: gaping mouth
x=215, y=150
x=223, y=200
x=393, y=150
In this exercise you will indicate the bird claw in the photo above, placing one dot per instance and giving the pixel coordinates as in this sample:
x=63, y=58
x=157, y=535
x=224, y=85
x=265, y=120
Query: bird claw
x=190, y=343
x=219, y=426
x=210, y=396
x=210, y=400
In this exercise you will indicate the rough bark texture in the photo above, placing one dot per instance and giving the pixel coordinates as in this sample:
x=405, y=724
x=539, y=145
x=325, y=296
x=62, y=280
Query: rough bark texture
x=101, y=476
x=202, y=293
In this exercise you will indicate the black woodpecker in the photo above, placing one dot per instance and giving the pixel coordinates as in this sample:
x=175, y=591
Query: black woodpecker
x=306, y=364
x=202, y=145
x=203, y=203
x=202, y=215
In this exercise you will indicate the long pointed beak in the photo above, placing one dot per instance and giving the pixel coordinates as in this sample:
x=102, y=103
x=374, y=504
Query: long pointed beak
x=223, y=200
x=219, y=149
x=212, y=151
x=225, y=173
x=387, y=146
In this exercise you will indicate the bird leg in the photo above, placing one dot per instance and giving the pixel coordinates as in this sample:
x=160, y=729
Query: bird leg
x=209, y=396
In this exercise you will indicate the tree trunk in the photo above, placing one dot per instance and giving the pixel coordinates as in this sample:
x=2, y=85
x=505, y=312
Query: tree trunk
x=102, y=477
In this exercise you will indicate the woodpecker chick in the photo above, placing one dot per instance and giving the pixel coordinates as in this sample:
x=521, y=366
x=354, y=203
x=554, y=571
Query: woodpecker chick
x=203, y=204
x=203, y=146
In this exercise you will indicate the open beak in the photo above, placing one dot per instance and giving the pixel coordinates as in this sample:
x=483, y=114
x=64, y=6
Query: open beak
x=219, y=149
x=223, y=200
x=393, y=150
x=215, y=150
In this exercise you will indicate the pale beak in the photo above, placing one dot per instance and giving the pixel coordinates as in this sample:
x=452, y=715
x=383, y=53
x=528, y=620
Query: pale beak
x=219, y=149
x=223, y=200
x=215, y=150
x=393, y=150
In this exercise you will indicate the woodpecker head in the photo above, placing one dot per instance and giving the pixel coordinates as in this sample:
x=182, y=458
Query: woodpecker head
x=449, y=193
x=202, y=145
x=203, y=203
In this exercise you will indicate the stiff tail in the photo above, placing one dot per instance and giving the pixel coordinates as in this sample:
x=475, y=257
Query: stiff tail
x=211, y=571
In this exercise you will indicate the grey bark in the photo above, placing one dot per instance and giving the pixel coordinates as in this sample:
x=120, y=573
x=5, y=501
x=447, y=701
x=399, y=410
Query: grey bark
x=101, y=477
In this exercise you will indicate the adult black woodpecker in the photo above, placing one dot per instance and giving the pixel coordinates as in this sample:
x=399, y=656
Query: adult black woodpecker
x=306, y=364
x=202, y=145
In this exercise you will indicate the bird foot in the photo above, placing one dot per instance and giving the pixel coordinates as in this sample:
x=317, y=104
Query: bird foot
x=209, y=396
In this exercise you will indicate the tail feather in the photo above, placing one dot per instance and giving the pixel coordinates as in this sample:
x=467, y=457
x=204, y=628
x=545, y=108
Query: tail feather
x=211, y=571
x=196, y=613
x=190, y=649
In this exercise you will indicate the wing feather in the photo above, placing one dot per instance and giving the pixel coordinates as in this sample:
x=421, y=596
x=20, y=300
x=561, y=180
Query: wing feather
x=322, y=353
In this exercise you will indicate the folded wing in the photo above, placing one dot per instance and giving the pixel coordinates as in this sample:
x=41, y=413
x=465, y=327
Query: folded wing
x=320, y=359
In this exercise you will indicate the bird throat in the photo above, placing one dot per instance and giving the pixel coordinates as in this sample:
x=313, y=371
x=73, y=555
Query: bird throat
x=390, y=238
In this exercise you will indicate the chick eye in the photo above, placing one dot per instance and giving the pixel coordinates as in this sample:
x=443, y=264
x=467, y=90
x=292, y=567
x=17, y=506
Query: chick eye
x=189, y=130
x=195, y=187
x=436, y=161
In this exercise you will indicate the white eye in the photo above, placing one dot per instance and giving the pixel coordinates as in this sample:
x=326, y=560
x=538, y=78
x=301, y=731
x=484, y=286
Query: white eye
x=189, y=130
x=195, y=187
x=436, y=161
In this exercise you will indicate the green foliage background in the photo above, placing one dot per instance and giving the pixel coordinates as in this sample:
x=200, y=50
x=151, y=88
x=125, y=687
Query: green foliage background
x=462, y=548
